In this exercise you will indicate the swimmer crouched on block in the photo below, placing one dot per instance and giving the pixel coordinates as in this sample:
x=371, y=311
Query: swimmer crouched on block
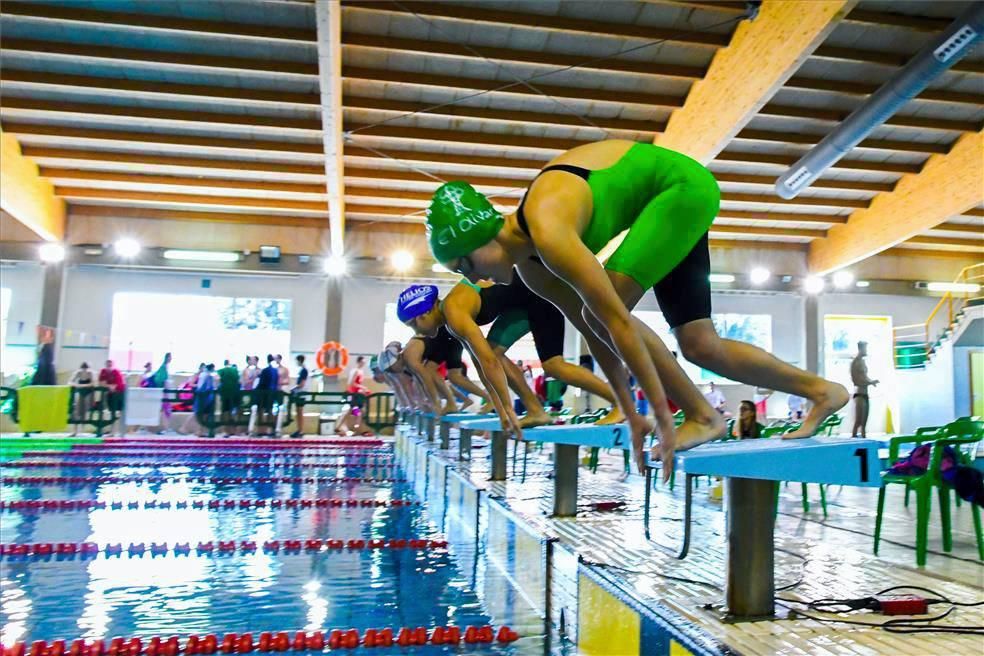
x=579, y=202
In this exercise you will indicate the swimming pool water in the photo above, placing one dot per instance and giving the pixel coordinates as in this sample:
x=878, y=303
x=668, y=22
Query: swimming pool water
x=64, y=597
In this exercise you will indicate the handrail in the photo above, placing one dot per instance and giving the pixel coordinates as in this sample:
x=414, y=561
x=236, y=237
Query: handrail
x=924, y=329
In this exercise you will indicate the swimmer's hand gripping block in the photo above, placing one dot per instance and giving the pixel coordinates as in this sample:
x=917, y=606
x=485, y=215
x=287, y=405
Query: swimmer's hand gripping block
x=827, y=460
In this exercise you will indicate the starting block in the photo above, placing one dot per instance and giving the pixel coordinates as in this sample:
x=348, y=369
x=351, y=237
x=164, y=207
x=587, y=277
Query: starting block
x=752, y=469
x=447, y=421
x=423, y=424
x=567, y=439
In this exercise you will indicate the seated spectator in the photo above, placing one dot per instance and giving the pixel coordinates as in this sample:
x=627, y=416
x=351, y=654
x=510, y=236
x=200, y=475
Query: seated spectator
x=747, y=426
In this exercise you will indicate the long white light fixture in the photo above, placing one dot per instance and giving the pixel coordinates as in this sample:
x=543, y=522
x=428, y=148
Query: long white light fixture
x=721, y=277
x=201, y=256
x=953, y=287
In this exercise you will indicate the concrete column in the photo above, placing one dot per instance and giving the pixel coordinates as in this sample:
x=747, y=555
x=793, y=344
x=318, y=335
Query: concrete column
x=54, y=275
x=333, y=315
x=811, y=329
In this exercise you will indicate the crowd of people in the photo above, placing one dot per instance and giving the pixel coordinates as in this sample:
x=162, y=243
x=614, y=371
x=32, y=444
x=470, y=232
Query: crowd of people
x=265, y=391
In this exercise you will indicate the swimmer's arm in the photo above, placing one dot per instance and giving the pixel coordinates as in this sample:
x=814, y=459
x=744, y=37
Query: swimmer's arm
x=563, y=252
x=545, y=284
x=489, y=368
x=413, y=357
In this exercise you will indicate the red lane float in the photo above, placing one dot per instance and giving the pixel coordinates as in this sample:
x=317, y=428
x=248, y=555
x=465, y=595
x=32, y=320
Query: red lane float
x=42, y=549
x=217, y=480
x=226, y=441
x=65, y=505
x=59, y=464
x=268, y=641
x=206, y=452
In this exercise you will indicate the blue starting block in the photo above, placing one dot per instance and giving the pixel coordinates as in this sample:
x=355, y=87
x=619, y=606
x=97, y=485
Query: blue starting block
x=567, y=439
x=447, y=421
x=423, y=423
x=753, y=469
x=468, y=428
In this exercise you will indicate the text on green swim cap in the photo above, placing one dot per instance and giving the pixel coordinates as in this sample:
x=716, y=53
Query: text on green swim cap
x=460, y=220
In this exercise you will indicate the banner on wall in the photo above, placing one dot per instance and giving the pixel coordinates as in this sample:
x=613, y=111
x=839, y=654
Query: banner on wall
x=143, y=406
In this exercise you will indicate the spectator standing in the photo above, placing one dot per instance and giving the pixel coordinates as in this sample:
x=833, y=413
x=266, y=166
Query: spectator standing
x=204, y=405
x=44, y=373
x=296, y=395
x=267, y=384
x=112, y=378
x=82, y=384
x=229, y=394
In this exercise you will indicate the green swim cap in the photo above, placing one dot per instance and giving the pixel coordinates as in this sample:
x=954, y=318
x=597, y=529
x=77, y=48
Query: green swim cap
x=460, y=220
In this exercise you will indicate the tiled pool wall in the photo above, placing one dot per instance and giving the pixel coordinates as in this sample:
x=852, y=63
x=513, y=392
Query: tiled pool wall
x=580, y=606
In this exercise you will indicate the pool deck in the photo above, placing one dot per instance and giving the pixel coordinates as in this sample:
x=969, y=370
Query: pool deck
x=823, y=557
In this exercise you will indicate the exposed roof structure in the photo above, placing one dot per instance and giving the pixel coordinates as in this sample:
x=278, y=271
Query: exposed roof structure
x=210, y=113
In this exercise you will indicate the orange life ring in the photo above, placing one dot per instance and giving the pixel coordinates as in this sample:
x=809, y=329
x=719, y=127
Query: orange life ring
x=332, y=358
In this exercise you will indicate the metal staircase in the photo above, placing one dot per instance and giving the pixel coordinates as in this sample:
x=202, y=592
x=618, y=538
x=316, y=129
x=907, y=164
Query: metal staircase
x=915, y=344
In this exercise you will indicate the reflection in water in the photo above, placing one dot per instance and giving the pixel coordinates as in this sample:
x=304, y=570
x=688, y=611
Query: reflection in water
x=179, y=595
x=15, y=606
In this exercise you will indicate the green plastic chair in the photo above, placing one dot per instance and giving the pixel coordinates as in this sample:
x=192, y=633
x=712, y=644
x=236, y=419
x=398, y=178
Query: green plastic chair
x=964, y=436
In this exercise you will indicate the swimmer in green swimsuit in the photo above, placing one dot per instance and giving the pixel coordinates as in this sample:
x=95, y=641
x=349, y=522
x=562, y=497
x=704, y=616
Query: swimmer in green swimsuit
x=582, y=200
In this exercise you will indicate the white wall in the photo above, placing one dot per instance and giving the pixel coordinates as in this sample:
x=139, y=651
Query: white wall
x=89, y=294
x=26, y=282
x=788, y=335
x=364, y=311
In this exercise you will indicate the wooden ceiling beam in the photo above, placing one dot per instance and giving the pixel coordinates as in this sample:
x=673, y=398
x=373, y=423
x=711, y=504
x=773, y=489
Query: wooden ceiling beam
x=328, y=19
x=813, y=139
x=183, y=59
x=864, y=89
x=541, y=21
x=652, y=69
x=160, y=113
x=947, y=185
x=586, y=94
x=763, y=231
x=153, y=87
x=161, y=138
x=931, y=24
x=746, y=74
x=488, y=114
x=27, y=196
x=789, y=160
x=782, y=217
x=180, y=181
x=353, y=150
x=113, y=212
x=71, y=193
x=467, y=136
x=232, y=165
x=153, y=21
x=531, y=57
x=976, y=245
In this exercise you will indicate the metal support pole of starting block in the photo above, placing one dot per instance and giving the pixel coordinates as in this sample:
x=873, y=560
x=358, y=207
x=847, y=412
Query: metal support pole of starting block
x=445, y=433
x=751, y=552
x=500, y=453
x=565, y=480
x=429, y=420
x=753, y=469
x=464, y=443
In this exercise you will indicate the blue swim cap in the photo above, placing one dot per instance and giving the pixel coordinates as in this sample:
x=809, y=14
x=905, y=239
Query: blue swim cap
x=415, y=300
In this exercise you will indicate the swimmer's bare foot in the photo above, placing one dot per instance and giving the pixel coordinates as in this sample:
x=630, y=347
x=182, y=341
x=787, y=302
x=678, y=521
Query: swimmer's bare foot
x=532, y=420
x=640, y=427
x=467, y=403
x=487, y=408
x=614, y=416
x=831, y=398
x=691, y=433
